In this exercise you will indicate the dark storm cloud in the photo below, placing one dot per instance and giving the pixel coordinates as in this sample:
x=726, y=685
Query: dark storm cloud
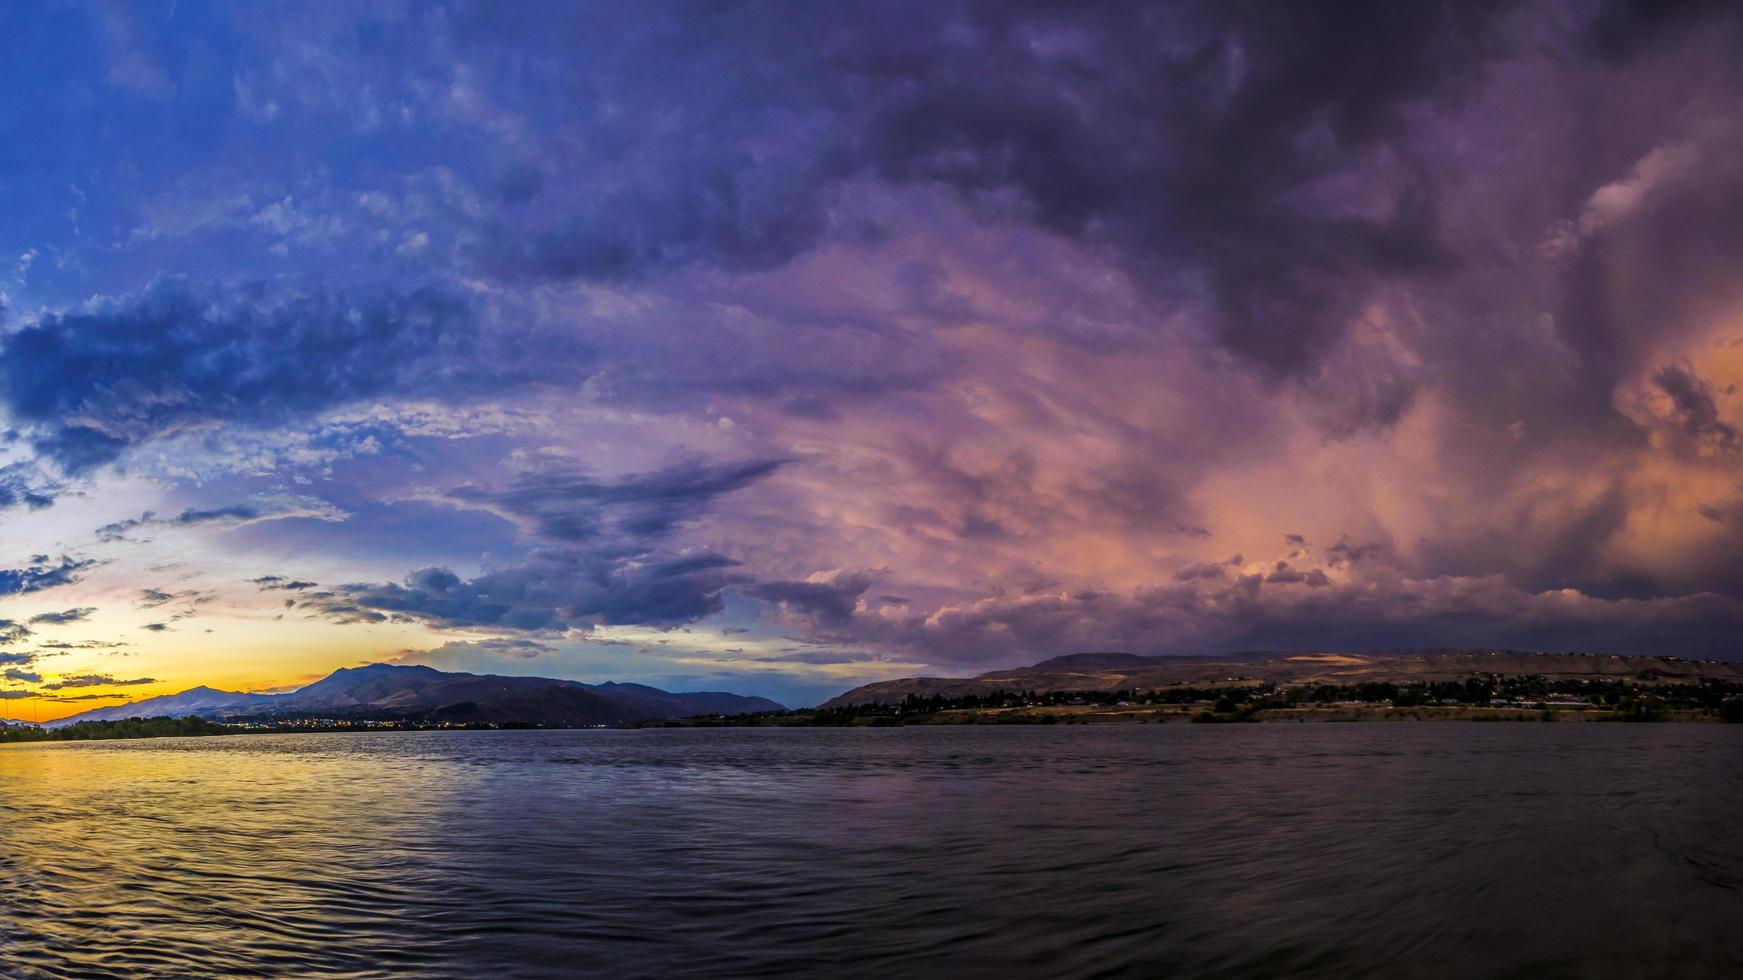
x=63, y=617
x=1251, y=613
x=829, y=604
x=12, y=632
x=179, y=357
x=1278, y=172
x=21, y=659
x=42, y=573
x=1187, y=138
x=1654, y=253
x=1645, y=274
x=1441, y=282
x=1695, y=407
x=601, y=559
x=556, y=588
x=730, y=164
x=1259, y=164
x=1622, y=30
x=566, y=504
x=1190, y=140
x=21, y=676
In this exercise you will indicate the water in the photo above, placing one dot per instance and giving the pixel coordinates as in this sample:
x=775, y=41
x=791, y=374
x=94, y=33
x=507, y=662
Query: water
x=1212, y=851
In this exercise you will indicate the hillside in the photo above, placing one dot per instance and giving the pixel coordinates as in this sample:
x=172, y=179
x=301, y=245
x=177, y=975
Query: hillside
x=203, y=702
x=1124, y=671
x=424, y=693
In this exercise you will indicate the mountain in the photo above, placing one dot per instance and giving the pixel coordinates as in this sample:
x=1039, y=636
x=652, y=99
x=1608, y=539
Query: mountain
x=1125, y=671
x=655, y=703
x=427, y=694
x=202, y=701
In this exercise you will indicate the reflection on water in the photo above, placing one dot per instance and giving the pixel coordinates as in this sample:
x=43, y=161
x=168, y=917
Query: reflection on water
x=1265, y=850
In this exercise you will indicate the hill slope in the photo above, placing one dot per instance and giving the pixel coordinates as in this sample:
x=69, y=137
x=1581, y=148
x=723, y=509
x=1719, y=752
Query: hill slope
x=1124, y=671
x=204, y=702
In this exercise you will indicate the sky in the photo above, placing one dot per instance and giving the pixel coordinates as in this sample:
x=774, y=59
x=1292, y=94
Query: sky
x=783, y=347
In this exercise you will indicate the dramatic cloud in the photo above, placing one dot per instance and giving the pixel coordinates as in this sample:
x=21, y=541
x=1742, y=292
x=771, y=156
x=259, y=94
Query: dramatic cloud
x=178, y=357
x=1295, y=612
x=561, y=503
x=601, y=562
x=958, y=334
x=556, y=588
x=1695, y=408
x=1194, y=141
x=828, y=600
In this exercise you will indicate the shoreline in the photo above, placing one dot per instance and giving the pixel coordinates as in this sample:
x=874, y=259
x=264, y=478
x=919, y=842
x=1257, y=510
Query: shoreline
x=1023, y=715
x=1175, y=715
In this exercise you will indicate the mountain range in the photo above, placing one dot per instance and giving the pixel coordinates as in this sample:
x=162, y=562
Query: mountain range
x=418, y=693
x=1126, y=671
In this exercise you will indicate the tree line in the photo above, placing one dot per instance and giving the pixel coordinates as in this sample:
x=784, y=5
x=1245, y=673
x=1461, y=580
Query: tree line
x=87, y=731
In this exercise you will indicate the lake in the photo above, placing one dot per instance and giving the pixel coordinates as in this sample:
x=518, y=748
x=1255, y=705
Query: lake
x=1579, y=850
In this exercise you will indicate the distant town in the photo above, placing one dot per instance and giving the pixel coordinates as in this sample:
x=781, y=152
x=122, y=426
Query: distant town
x=1488, y=698
x=190, y=727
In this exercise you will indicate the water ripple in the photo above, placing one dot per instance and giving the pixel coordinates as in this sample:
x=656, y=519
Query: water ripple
x=1335, y=851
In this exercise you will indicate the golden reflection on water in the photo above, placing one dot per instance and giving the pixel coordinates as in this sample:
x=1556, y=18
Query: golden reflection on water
x=172, y=853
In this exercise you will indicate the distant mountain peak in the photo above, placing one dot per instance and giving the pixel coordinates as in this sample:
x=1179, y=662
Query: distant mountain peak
x=385, y=668
x=417, y=691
